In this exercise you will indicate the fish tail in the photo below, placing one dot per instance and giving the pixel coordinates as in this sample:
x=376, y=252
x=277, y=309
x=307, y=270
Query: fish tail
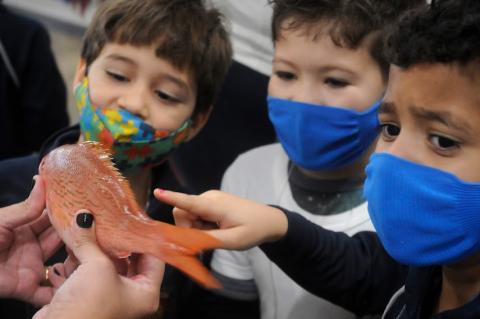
x=195, y=269
x=179, y=246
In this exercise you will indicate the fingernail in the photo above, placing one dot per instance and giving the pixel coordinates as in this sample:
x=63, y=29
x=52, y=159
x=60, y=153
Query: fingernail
x=56, y=271
x=160, y=190
x=85, y=220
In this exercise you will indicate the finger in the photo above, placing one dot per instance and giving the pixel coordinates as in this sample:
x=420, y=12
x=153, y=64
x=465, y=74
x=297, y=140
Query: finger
x=151, y=267
x=183, y=218
x=193, y=204
x=144, y=288
x=182, y=201
x=70, y=253
x=50, y=243
x=232, y=238
x=26, y=211
x=58, y=269
x=57, y=275
x=42, y=296
x=70, y=264
x=82, y=240
x=41, y=223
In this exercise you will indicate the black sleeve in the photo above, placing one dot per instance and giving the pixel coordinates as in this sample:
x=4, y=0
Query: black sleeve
x=42, y=93
x=353, y=272
x=16, y=178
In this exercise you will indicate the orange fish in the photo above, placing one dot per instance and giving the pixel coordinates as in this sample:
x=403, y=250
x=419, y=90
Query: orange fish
x=82, y=176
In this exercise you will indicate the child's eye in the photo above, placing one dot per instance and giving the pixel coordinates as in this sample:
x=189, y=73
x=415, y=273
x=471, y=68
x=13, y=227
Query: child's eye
x=166, y=97
x=117, y=76
x=336, y=83
x=390, y=131
x=286, y=76
x=443, y=143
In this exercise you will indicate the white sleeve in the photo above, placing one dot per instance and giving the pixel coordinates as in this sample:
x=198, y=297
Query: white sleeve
x=230, y=263
x=233, y=264
x=233, y=268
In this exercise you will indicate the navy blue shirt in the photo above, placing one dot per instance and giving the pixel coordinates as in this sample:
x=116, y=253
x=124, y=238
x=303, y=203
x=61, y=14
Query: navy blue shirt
x=357, y=273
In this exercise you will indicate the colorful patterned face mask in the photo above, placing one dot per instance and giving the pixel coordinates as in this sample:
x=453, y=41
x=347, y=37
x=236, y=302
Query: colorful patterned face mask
x=133, y=143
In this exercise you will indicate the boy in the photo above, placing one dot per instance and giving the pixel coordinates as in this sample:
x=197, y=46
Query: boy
x=329, y=74
x=148, y=75
x=422, y=188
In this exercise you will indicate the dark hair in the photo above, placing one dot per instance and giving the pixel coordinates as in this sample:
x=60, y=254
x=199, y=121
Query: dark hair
x=183, y=31
x=348, y=22
x=446, y=32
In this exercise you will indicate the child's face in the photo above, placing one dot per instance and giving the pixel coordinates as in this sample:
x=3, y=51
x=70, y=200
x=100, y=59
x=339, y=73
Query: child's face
x=320, y=72
x=431, y=116
x=135, y=79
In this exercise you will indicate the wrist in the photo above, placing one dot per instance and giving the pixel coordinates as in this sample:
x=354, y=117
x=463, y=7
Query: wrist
x=280, y=224
x=77, y=311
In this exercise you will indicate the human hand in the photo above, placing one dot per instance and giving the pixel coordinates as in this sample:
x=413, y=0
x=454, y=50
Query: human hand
x=243, y=223
x=27, y=240
x=95, y=290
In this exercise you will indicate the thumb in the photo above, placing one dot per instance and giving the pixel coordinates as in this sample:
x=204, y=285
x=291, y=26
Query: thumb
x=82, y=239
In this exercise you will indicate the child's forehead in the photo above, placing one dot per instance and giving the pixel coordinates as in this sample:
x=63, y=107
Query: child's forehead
x=311, y=31
x=439, y=81
x=326, y=34
x=319, y=50
x=437, y=87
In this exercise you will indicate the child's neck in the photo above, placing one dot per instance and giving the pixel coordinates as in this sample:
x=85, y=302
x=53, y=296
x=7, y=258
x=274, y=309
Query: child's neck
x=140, y=181
x=356, y=170
x=460, y=284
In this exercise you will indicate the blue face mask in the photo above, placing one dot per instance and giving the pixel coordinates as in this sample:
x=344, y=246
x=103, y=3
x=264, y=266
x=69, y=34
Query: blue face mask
x=423, y=216
x=318, y=137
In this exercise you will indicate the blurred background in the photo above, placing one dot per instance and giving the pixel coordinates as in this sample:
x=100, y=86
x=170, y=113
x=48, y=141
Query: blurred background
x=66, y=22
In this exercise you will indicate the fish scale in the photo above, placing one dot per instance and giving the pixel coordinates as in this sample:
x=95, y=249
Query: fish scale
x=82, y=176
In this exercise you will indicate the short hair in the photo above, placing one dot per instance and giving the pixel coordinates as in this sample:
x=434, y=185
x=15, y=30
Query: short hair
x=184, y=32
x=348, y=22
x=446, y=32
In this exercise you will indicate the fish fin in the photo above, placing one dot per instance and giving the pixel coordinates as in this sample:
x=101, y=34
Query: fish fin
x=187, y=239
x=178, y=247
x=192, y=267
x=105, y=156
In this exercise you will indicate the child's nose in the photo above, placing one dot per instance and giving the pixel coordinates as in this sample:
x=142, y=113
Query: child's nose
x=308, y=93
x=404, y=147
x=136, y=102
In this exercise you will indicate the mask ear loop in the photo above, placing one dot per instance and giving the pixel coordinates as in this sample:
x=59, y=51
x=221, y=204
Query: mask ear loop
x=8, y=64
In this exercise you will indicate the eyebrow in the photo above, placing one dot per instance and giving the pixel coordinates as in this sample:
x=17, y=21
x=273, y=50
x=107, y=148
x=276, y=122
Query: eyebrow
x=177, y=81
x=279, y=60
x=170, y=78
x=445, y=117
x=122, y=58
x=324, y=69
x=387, y=108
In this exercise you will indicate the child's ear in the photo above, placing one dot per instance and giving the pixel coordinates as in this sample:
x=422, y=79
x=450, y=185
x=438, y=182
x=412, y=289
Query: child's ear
x=198, y=123
x=80, y=73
